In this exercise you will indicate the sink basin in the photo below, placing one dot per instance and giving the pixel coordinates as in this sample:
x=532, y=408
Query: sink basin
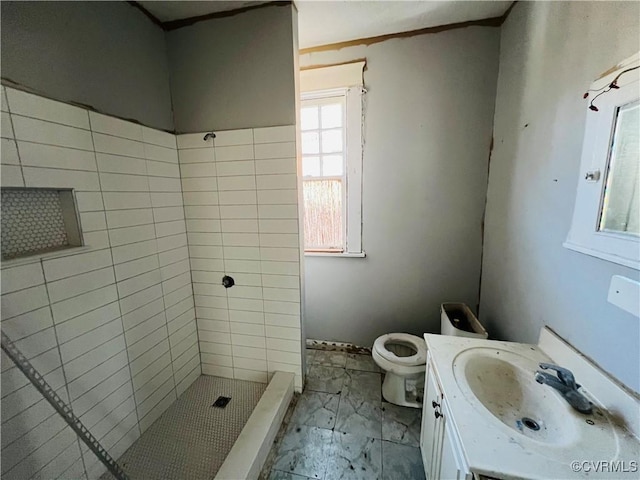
x=501, y=382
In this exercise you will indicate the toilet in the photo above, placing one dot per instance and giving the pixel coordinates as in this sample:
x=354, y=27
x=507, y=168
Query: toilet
x=403, y=357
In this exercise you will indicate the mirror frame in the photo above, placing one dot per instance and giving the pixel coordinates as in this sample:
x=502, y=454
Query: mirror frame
x=584, y=236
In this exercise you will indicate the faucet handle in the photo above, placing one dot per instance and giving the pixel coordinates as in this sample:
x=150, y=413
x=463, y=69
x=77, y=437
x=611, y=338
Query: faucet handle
x=564, y=374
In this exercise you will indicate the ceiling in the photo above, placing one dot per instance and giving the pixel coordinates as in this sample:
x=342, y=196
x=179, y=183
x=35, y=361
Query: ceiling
x=348, y=20
x=177, y=10
x=362, y=19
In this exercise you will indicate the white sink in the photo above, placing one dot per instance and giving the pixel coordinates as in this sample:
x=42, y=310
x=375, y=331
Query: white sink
x=499, y=383
x=489, y=390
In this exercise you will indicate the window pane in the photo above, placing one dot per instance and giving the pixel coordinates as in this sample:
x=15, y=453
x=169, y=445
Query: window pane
x=309, y=118
x=332, y=141
x=332, y=115
x=310, y=143
x=311, y=166
x=323, y=214
x=332, y=165
x=620, y=211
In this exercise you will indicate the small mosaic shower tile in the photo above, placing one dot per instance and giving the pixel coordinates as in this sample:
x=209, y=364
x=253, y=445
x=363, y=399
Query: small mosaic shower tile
x=32, y=222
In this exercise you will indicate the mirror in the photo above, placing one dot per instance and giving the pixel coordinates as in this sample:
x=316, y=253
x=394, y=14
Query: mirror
x=621, y=202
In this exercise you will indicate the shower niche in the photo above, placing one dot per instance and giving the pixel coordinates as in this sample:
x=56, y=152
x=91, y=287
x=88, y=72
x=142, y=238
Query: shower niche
x=37, y=221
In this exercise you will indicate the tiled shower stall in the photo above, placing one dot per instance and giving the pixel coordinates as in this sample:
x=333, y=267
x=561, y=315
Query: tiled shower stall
x=123, y=325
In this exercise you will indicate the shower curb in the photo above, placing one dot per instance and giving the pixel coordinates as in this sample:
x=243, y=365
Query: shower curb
x=249, y=452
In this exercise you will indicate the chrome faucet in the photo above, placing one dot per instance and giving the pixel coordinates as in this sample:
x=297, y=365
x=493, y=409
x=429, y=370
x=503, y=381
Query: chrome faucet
x=565, y=383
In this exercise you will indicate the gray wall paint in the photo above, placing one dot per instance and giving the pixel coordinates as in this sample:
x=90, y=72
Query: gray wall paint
x=104, y=54
x=429, y=117
x=550, y=53
x=234, y=72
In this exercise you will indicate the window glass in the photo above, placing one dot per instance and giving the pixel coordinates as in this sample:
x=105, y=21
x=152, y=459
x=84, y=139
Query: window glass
x=309, y=118
x=324, y=172
x=332, y=165
x=310, y=143
x=621, y=205
x=311, y=166
x=332, y=115
x=331, y=141
x=323, y=214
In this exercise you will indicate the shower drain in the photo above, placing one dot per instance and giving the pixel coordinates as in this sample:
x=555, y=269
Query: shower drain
x=221, y=402
x=530, y=424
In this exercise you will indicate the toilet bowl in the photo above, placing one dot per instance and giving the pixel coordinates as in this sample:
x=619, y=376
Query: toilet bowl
x=404, y=358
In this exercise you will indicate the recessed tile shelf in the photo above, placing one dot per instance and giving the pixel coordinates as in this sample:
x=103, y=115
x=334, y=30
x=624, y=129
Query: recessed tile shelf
x=37, y=221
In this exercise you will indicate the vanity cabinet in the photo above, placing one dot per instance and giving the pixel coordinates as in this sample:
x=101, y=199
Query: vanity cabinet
x=441, y=451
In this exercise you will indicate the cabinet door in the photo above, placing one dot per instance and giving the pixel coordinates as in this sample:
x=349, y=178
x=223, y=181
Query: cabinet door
x=431, y=433
x=452, y=467
x=448, y=466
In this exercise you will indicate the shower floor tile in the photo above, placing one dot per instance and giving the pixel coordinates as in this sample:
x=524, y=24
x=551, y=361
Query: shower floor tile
x=192, y=439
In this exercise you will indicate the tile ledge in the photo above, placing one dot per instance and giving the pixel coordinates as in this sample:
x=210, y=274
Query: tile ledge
x=36, y=258
x=249, y=452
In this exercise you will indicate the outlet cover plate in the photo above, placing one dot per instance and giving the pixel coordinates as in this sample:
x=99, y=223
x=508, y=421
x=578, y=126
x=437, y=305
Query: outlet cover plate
x=625, y=294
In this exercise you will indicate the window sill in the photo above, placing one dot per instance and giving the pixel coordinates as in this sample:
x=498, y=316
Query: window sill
x=337, y=254
x=610, y=257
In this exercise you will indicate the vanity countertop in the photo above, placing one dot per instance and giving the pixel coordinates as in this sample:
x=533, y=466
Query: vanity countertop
x=479, y=377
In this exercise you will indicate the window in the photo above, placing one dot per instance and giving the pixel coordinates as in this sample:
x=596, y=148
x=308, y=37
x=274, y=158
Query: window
x=607, y=209
x=331, y=123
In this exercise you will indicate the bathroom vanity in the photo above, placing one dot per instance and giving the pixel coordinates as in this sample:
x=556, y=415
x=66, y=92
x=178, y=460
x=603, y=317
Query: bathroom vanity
x=484, y=414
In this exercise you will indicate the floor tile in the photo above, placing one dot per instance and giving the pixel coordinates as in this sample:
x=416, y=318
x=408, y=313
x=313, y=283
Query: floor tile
x=330, y=359
x=401, y=462
x=309, y=358
x=361, y=384
x=354, y=457
x=279, y=475
x=401, y=424
x=361, y=362
x=359, y=416
x=326, y=379
x=316, y=409
x=304, y=451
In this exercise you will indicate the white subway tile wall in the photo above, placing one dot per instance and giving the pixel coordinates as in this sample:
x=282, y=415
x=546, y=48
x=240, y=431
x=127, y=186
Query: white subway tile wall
x=123, y=325
x=240, y=196
x=111, y=325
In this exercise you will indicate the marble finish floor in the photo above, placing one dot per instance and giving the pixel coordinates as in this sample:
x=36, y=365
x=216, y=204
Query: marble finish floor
x=342, y=429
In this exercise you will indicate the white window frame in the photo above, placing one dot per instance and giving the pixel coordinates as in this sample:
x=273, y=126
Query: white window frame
x=352, y=191
x=584, y=235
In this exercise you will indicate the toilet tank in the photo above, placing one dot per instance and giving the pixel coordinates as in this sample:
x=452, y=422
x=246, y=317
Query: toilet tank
x=458, y=320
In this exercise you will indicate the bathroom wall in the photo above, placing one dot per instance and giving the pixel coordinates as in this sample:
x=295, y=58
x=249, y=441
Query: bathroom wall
x=550, y=52
x=428, y=121
x=234, y=72
x=236, y=76
x=240, y=197
x=111, y=325
x=108, y=55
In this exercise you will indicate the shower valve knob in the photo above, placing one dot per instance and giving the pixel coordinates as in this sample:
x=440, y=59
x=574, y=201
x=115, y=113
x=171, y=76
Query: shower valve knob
x=228, y=281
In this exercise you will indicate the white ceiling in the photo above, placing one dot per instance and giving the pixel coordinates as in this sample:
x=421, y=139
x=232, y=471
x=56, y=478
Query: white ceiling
x=177, y=10
x=360, y=19
x=325, y=21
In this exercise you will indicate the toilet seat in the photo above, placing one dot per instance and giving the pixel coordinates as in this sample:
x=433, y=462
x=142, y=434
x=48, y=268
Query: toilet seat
x=417, y=343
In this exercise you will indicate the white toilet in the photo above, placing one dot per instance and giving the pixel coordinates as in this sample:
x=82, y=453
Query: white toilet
x=403, y=357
